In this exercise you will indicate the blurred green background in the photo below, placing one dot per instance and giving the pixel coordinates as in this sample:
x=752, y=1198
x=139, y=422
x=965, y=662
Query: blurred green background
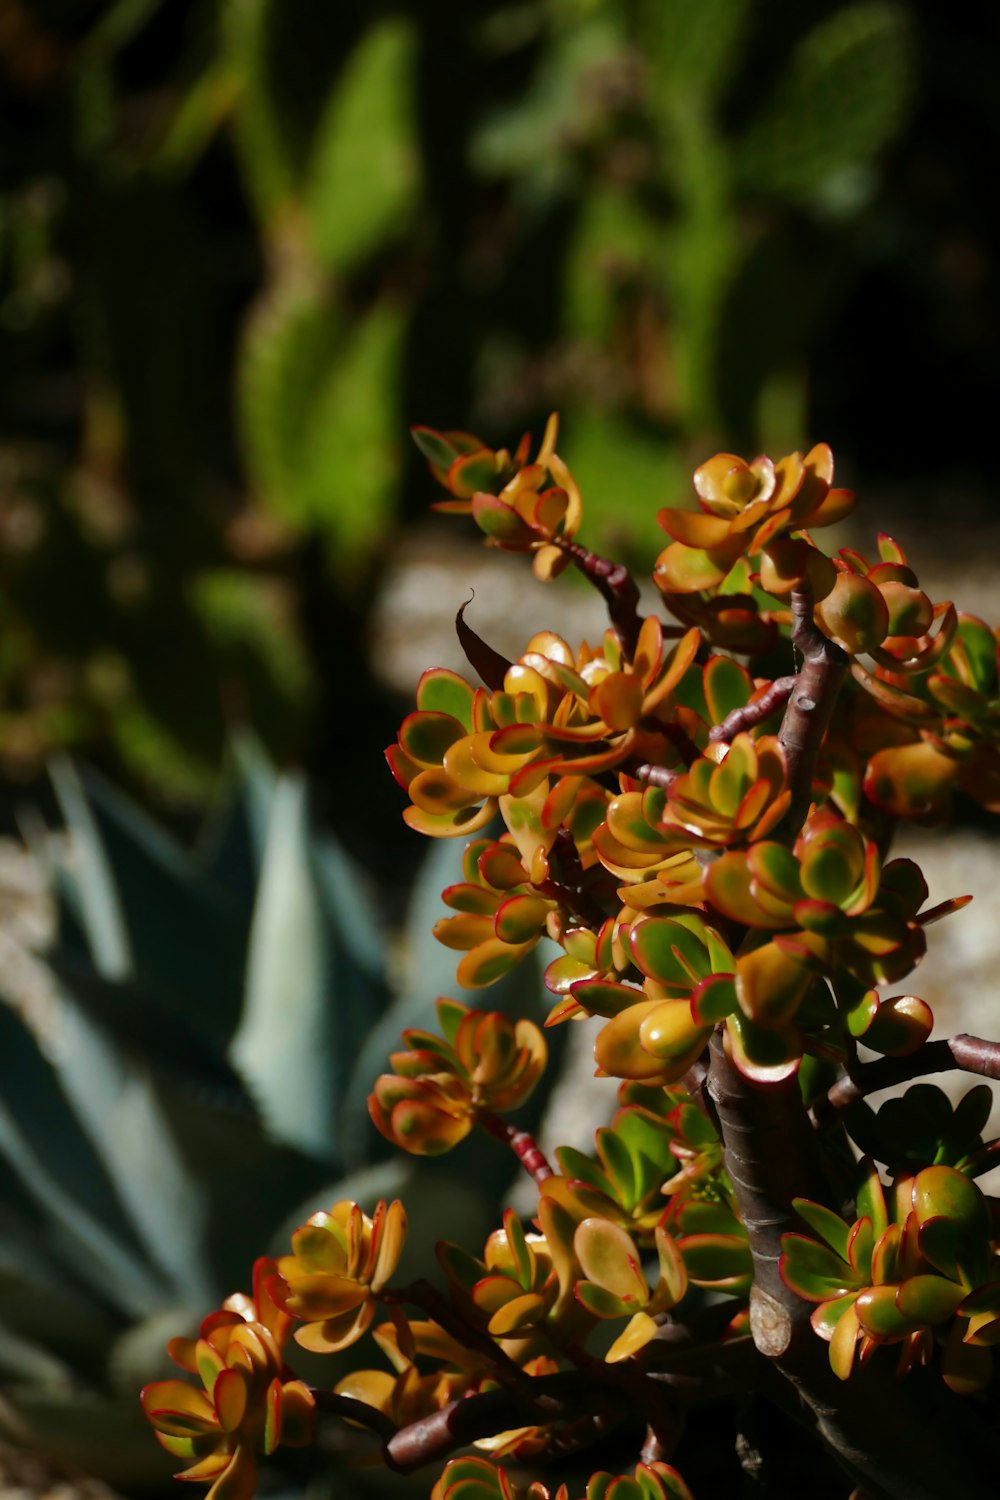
x=245, y=243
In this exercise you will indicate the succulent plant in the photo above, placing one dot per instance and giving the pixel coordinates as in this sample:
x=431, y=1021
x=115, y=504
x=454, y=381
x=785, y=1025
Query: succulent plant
x=704, y=843
x=217, y=1022
x=922, y=1274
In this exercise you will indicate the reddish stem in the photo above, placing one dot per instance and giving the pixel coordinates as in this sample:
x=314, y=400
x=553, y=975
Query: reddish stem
x=653, y=775
x=523, y=1145
x=752, y=714
x=616, y=586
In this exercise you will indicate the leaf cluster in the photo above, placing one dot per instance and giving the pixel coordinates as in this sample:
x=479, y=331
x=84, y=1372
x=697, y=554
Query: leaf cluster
x=703, y=839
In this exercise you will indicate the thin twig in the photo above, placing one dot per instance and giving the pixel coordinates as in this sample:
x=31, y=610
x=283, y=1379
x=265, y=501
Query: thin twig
x=968, y=1054
x=644, y=771
x=616, y=586
x=523, y=1145
x=354, y=1410
x=566, y=1396
x=752, y=714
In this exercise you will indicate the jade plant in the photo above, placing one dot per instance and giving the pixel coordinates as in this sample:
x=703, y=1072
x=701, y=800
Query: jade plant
x=697, y=814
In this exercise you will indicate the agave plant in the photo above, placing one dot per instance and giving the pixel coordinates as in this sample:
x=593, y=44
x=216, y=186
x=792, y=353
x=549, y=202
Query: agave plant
x=220, y=1016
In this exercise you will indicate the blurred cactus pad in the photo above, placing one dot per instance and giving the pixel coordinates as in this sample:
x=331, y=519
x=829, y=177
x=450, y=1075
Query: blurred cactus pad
x=243, y=241
x=195, y=1083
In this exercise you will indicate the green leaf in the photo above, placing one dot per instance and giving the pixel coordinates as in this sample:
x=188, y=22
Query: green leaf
x=102, y=1259
x=267, y=162
x=579, y=1167
x=713, y=1258
x=965, y=1368
x=349, y=467
x=603, y=997
x=943, y=1191
x=609, y=1258
x=285, y=86
x=37, y=1301
x=618, y=1162
x=971, y=1114
x=518, y=1248
x=703, y=1217
x=602, y=1303
x=91, y=887
x=290, y=345
x=435, y=446
x=119, y=1110
x=297, y=1038
x=692, y=46
x=233, y=839
x=714, y=999
x=929, y=1299
x=443, y=691
x=318, y=399
x=879, y=1314
x=200, y=112
x=814, y=1271
x=981, y=650
x=870, y=1202
x=728, y=685
x=363, y=179
x=36, y=1108
x=823, y=1221
x=181, y=929
x=841, y=98
x=667, y=950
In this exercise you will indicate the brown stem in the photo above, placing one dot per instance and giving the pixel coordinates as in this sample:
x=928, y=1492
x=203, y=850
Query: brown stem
x=904, y=1439
x=752, y=714
x=354, y=1410
x=616, y=586
x=969, y=1054
x=564, y=1397
x=772, y=1156
x=523, y=1145
x=654, y=775
x=807, y=713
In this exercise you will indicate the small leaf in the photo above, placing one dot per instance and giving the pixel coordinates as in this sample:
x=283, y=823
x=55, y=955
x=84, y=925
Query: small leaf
x=823, y=1221
x=929, y=1299
x=814, y=1271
